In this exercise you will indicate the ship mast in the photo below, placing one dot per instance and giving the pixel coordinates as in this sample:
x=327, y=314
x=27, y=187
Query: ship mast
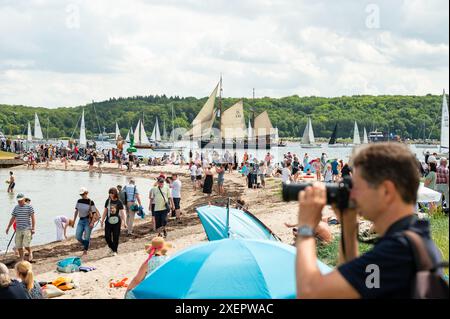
x=219, y=114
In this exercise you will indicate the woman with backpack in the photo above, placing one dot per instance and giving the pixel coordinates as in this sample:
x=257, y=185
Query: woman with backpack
x=112, y=220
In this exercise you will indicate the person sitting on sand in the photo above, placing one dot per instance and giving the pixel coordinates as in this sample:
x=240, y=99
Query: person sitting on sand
x=10, y=288
x=157, y=255
x=24, y=272
x=62, y=222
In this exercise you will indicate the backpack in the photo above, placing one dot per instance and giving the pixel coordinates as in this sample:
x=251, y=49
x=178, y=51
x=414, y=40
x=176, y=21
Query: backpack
x=68, y=265
x=427, y=283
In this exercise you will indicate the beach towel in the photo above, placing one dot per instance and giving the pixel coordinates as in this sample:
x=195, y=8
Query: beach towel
x=63, y=283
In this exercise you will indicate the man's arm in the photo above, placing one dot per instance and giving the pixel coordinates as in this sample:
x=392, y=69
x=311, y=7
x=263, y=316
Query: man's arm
x=11, y=221
x=138, y=197
x=75, y=215
x=33, y=223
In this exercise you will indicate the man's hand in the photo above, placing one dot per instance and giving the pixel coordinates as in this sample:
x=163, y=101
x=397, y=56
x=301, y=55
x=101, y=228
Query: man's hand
x=7, y=231
x=33, y=231
x=311, y=202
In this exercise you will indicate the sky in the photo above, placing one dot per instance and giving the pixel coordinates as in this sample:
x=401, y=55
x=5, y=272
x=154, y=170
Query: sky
x=57, y=53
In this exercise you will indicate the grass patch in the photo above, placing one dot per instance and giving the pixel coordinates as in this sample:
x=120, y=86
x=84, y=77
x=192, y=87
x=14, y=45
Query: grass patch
x=439, y=233
x=329, y=253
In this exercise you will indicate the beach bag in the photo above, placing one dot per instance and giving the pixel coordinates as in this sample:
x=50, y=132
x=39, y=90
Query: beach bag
x=427, y=283
x=134, y=207
x=50, y=291
x=68, y=265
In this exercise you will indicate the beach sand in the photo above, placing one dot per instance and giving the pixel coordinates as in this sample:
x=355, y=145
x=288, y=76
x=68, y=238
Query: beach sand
x=266, y=204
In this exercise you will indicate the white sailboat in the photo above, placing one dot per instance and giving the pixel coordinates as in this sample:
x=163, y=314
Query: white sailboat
x=117, y=132
x=249, y=130
x=356, y=137
x=444, y=145
x=29, y=136
x=365, y=139
x=82, y=141
x=140, y=136
x=156, y=136
x=37, y=128
x=127, y=139
x=308, y=140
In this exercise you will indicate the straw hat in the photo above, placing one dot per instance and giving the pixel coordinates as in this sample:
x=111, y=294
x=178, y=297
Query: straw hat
x=160, y=245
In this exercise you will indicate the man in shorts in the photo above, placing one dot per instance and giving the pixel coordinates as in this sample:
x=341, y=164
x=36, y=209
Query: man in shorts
x=23, y=215
x=176, y=195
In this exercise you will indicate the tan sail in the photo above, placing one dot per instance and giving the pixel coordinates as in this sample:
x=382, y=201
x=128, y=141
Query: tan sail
x=233, y=122
x=203, y=122
x=263, y=126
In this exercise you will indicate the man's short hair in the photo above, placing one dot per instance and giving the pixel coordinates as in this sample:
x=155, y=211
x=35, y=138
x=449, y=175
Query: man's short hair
x=389, y=161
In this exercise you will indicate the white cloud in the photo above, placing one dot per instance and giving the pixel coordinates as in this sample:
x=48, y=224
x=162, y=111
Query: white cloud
x=65, y=53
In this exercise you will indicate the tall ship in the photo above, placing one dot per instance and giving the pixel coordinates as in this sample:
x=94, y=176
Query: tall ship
x=140, y=137
x=231, y=133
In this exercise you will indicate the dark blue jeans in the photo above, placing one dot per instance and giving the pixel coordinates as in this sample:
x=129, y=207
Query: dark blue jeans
x=83, y=227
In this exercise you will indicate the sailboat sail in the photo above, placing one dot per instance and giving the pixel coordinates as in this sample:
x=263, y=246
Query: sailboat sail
x=233, y=122
x=37, y=128
x=356, y=137
x=83, y=141
x=365, y=139
x=127, y=139
x=117, y=131
x=308, y=134
x=137, y=137
x=29, y=136
x=164, y=135
x=444, y=123
x=249, y=130
x=203, y=122
x=157, y=134
x=144, y=139
x=263, y=126
x=333, y=136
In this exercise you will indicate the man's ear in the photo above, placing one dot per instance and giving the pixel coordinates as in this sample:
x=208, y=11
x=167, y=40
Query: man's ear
x=389, y=190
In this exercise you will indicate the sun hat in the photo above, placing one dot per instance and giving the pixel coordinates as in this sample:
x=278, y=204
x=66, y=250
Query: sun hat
x=159, y=245
x=83, y=190
x=20, y=196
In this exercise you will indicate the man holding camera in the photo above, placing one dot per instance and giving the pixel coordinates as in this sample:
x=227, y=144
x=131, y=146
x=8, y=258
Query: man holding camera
x=384, y=191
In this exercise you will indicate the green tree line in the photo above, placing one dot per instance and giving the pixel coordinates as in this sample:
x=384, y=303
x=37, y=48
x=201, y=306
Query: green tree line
x=406, y=116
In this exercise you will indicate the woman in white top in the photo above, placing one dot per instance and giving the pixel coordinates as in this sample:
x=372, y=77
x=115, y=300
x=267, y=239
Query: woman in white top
x=286, y=174
x=199, y=176
x=62, y=222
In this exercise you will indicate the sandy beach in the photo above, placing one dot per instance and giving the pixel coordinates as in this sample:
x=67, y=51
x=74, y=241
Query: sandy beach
x=266, y=204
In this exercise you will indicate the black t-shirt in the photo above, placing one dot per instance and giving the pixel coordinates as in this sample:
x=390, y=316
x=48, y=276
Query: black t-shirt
x=394, y=257
x=346, y=171
x=15, y=290
x=116, y=207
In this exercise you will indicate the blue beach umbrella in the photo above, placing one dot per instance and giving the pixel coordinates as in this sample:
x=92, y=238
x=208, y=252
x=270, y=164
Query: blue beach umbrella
x=226, y=269
x=239, y=224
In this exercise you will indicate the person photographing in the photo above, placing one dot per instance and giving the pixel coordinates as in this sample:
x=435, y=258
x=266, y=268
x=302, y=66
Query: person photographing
x=384, y=191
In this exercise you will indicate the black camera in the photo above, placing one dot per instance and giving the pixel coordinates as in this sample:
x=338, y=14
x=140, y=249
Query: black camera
x=337, y=193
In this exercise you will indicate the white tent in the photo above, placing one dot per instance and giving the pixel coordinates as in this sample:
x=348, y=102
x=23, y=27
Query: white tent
x=427, y=195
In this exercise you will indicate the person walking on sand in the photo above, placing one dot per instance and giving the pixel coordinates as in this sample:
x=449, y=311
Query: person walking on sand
x=220, y=170
x=62, y=222
x=133, y=198
x=23, y=214
x=162, y=200
x=113, y=219
x=176, y=195
x=11, y=182
x=193, y=171
x=84, y=208
x=208, y=183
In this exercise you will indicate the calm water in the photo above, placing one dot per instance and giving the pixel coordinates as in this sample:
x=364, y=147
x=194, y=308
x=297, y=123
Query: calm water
x=55, y=193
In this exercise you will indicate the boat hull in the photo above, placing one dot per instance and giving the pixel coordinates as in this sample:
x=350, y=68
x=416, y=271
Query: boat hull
x=144, y=146
x=234, y=145
x=310, y=146
x=338, y=145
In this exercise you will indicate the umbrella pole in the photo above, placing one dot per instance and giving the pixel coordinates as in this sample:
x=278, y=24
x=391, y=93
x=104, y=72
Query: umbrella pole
x=228, y=218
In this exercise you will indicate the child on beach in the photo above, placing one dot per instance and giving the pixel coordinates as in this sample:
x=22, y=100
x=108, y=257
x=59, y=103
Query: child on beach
x=62, y=222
